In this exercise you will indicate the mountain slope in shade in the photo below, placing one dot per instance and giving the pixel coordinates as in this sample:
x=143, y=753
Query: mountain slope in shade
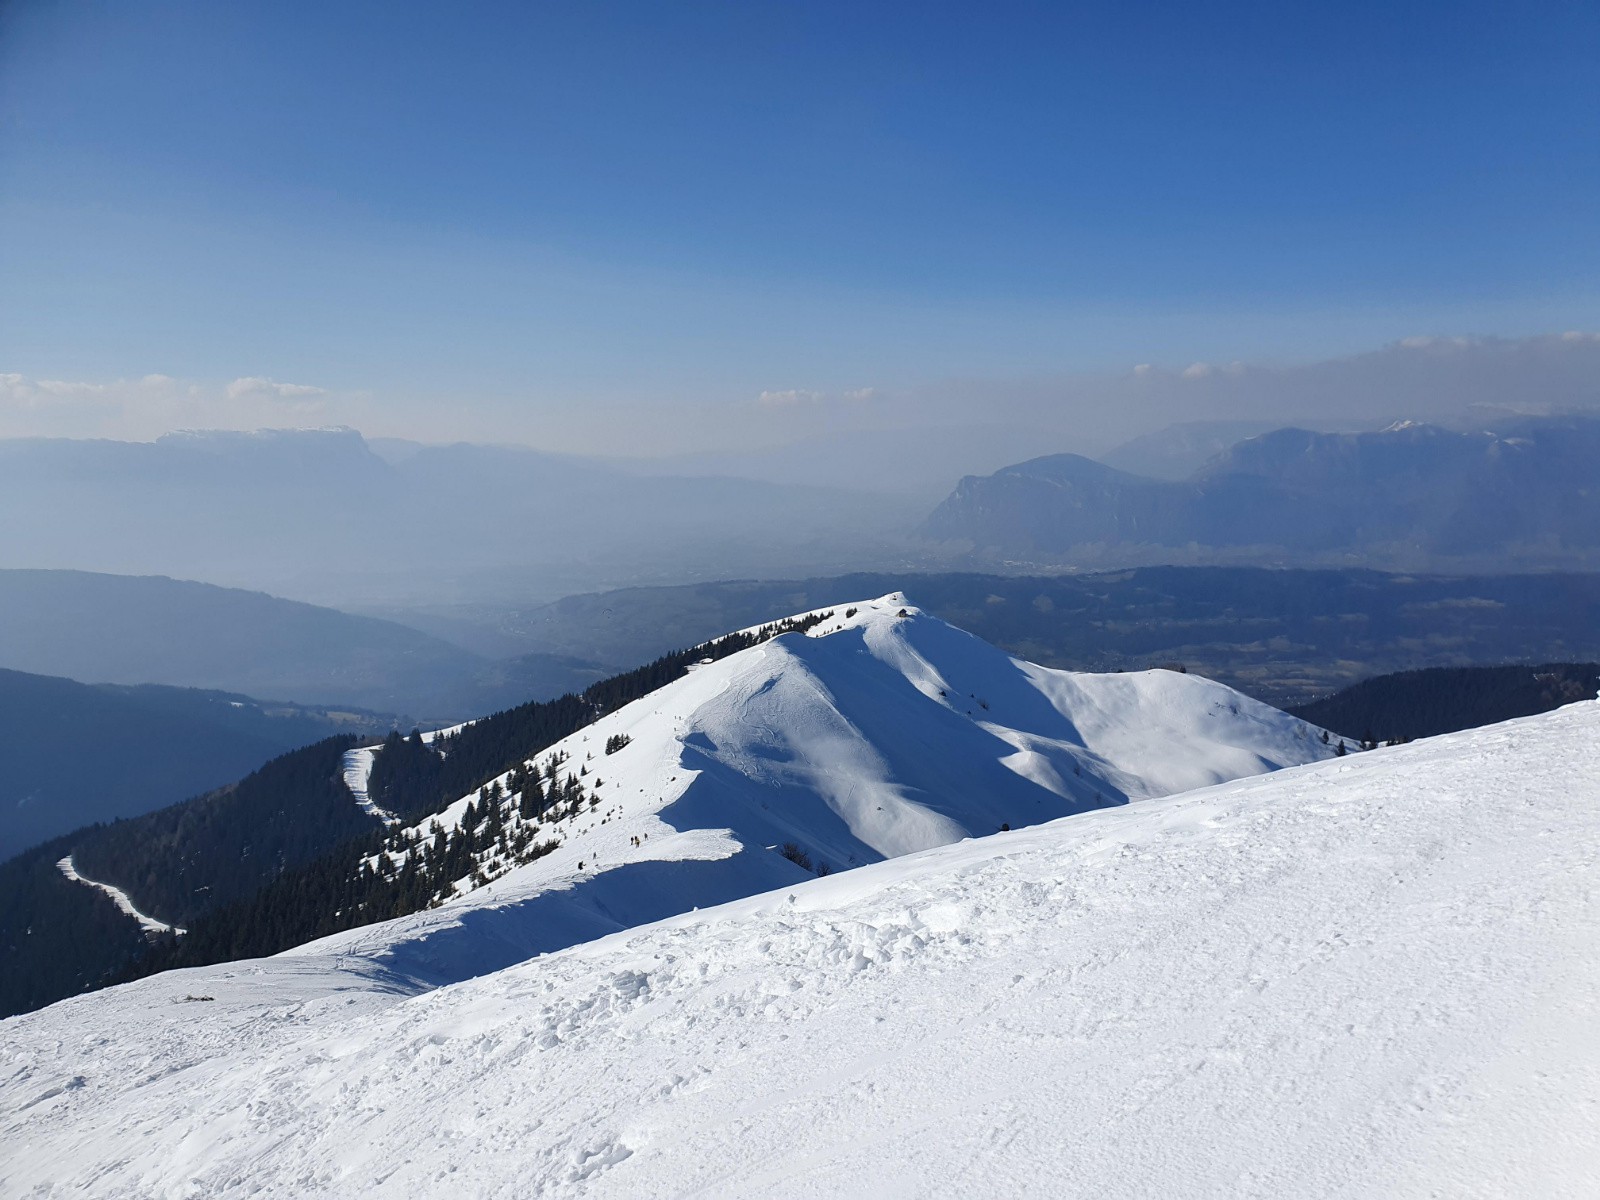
x=1413, y=704
x=878, y=732
x=1365, y=977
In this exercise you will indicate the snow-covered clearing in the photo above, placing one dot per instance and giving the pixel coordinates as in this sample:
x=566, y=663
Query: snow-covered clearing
x=357, y=771
x=357, y=768
x=120, y=898
x=1375, y=976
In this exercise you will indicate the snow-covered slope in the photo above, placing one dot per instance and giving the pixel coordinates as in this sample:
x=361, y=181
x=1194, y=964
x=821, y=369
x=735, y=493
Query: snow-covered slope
x=1374, y=976
x=877, y=732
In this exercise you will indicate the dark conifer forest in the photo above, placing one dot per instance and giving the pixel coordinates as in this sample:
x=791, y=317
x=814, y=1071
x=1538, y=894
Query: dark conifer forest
x=180, y=862
x=57, y=937
x=1417, y=704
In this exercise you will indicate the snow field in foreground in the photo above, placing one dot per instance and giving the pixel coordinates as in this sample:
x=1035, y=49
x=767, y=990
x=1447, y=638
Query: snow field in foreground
x=1371, y=976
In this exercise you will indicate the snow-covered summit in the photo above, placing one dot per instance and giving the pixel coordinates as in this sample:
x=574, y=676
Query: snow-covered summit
x=1373, y=976
x=877, y=731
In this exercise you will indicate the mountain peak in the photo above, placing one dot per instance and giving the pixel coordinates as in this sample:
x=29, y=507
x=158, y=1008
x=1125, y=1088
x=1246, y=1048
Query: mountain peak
x=871, y=730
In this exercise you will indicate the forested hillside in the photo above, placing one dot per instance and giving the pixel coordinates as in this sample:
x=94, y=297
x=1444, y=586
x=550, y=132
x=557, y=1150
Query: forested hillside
x=56, y=937
x=78, y=754
x=182, y=861
x=1416, y=704
x=174, y=864
x=274, y=860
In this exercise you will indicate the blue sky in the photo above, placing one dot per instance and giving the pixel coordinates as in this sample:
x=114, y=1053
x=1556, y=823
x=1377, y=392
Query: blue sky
x=535, y=221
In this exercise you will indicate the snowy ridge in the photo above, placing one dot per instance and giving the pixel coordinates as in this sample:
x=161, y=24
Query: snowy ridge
x=1374, y=976
x=878, y=732
x=120, y=898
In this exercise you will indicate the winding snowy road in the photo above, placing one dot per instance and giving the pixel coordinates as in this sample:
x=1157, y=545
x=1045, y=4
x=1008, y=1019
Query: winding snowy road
x=120, y=898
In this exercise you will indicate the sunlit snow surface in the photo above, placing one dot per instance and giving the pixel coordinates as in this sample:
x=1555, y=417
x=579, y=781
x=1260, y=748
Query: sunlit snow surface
x=1375, y=976
x=879, y=732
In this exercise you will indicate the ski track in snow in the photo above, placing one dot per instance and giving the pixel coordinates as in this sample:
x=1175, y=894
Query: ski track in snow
x=357, y=771
x=120, y=898
x=1369, y=976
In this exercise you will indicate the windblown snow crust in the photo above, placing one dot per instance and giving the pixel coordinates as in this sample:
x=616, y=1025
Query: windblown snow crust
x=879, y=732
x=1370, y=976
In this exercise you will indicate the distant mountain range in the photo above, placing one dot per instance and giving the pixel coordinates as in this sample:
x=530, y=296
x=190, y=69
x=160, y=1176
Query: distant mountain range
x=1284, y=636
x=1178, y=451
x=148, y=629
x=1407, y=497
x=322, y=515
x=330, y=517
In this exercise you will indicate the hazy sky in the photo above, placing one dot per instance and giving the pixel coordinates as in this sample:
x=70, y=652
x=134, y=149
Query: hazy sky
x=655, y=227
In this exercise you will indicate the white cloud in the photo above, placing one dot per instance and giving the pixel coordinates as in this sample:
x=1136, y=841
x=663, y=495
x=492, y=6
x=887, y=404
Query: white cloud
x=67, y=391
x=256, y=385
x=1195, y=370
x=791, y=396
x=798, y=396
x=151, y=405
x=17, y=392
x=1435, y=343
